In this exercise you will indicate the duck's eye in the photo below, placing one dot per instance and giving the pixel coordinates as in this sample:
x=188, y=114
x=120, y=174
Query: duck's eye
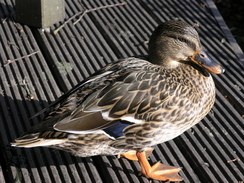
x=202, y=55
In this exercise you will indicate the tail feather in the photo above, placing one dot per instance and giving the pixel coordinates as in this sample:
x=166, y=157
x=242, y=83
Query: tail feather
x=33, y=140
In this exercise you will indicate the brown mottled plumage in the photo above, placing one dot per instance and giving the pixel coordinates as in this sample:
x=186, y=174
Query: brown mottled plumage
x=132, y=104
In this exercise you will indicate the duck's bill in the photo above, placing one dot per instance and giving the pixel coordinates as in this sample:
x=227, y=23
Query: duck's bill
x=204, y=61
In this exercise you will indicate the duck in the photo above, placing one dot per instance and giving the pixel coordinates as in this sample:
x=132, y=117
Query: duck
x=134, y=103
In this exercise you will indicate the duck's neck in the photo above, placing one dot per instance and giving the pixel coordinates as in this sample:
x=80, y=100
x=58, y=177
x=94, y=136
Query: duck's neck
x=165, y=62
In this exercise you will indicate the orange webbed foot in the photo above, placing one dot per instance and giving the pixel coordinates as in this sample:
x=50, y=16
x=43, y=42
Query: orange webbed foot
x=158, y=171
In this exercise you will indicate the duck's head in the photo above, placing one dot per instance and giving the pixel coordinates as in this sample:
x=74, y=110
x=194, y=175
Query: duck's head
x=174, y=43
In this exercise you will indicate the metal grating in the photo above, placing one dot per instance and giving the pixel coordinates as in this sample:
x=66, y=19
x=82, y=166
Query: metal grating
x=204, y=152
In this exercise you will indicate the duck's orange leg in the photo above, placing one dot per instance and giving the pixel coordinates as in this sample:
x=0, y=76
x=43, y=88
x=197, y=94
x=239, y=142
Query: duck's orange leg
x=131, y=155
x=158, y=171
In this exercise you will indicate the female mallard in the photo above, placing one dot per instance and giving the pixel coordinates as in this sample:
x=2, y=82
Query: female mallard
x=133, y=104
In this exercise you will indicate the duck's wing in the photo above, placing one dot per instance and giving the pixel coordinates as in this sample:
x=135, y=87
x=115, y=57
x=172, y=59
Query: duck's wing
x=99, y=100
x=133, y=95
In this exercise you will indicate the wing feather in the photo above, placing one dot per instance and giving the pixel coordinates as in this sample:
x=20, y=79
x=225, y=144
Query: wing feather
x=86, y=123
